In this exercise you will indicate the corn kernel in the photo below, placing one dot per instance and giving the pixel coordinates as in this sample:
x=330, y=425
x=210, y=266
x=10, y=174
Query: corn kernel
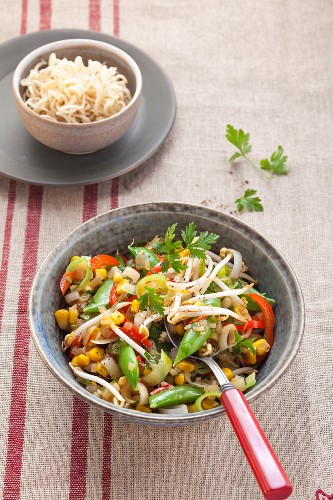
x=143, y=408
x=184, y=253
x=251, y=357
x=74, y=258
x=117, y=277
x=62, y=318
x=122, y=381
x=101, y=272
x=101, y=370
x=228, y=373
x=73, y=315
x=81, y=360
x=179, y=329
x=146, y=371
x=191, y=408
x=186, y=366
x=117, y=318
x=96, y=354
x=135, y=306
x=208, y=404
x=180, y=379
x=261, y=346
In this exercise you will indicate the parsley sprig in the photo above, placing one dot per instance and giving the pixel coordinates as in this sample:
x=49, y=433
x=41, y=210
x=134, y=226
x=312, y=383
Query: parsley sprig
x=249, y=201
x=152, y=301
x=277, y=163
x=196, y=243
x=170, y=249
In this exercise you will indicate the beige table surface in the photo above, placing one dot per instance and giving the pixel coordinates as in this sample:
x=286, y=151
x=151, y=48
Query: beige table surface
x=266, y=67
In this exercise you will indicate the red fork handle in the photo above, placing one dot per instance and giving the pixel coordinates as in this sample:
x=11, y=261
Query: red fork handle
x=266, y=467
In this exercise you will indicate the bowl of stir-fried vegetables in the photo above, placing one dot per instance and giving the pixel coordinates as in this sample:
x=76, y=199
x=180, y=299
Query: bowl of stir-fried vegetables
x=101, y=299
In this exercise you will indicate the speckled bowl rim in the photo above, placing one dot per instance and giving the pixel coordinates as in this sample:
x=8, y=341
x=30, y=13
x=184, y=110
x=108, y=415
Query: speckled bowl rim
x=156, y=419
x=68, y=43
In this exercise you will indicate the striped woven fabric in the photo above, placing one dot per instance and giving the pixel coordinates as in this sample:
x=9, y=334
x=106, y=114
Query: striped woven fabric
x=268, y=68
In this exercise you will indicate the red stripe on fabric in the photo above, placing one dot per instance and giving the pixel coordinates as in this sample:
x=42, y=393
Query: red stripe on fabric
x=6, y=243
x=78, y=469
x=107, y=447
x=45, y=15
x=90, y=202
x=116, y=22
x=95, y=15
x=24, y=17
x=15, y=443
x=115, y=193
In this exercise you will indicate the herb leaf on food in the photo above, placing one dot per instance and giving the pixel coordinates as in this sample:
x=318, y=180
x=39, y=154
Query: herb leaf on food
x=198, y=244
x=152, y=301
x=169, y=248
x=240, y=342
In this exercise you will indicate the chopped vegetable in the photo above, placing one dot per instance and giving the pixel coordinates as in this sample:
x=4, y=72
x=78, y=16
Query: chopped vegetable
x=175, y=395
x=113, y=322
x=103, y=260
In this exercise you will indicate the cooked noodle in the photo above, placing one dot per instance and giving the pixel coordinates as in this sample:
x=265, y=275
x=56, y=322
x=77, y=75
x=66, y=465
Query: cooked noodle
x=70, y=92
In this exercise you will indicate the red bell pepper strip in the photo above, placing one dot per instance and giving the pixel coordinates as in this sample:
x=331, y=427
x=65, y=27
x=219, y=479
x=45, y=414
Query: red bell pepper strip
x=133, y=332
x=268, y=316
x=251, y=324
x=65, y=282
x=113, y=296
x=103, y=260
x=162, y=388
x=158, y=268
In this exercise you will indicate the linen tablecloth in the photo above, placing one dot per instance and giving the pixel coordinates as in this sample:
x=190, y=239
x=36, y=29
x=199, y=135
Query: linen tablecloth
x=266, y=67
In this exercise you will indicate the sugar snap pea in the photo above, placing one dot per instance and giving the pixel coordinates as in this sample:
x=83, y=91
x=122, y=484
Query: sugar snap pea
x=128, y=363
x=149, y=255
x=101, y=297
x=175, y=395
x=193, y=340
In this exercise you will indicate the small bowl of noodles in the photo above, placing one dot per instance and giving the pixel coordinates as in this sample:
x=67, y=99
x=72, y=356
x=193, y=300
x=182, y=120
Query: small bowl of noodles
x=77, y=96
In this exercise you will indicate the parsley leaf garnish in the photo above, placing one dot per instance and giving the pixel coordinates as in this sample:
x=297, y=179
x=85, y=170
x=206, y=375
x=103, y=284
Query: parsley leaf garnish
x=249, y=201
x=240, y=139
x=277, y=164
x=152, y=301
x=198, y=244
x=247, y=343
x=168, y=248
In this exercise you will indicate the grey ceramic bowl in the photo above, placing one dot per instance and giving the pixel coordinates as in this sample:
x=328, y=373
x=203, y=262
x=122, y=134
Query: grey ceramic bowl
x=80, y=138
x=117, y=229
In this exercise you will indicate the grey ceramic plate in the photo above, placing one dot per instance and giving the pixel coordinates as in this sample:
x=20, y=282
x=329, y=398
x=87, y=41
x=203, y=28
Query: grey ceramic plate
x=25, y=159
